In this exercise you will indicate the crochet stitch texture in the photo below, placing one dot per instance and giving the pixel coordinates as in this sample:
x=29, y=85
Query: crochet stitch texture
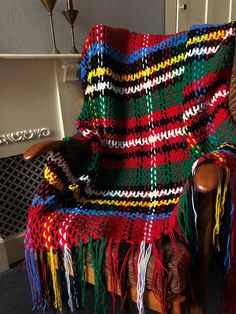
x=154, y=105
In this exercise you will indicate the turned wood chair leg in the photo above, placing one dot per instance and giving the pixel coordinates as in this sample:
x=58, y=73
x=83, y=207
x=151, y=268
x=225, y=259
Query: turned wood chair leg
x=205, y=227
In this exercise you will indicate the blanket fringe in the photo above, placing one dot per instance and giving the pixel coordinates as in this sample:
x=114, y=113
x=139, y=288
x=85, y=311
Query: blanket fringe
x=112, y=274
x=56, y=288
x=82, y=273
x=67, y=265
x=125, y=251
x=97, y=251
x=159, y=278
x=144, y=256
x=57, y=278
x=34, y=279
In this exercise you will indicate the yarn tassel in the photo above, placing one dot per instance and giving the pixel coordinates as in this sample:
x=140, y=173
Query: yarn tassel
x=219, y=207
x=159, y=276
x=183, y=215
x=75, y=279
x=67, y=266
x=97, y=251
x=144, y=256
x=34, y=279
x=123, y=258
x=41, y=269
x=229, y=286
x=62, y=280
x=81, y=273
x=56, y=289
x=47, y=278
x=112, y=274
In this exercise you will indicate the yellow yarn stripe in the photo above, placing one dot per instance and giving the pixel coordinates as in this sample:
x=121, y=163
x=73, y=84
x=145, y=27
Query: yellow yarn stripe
x=76, y=191
x=134, y=76
x=131, y=203
x=52, y=178
x=57, y=294
x=228, y=144
x=192, y=142
x=211, y=36
x=156, y=67
x=219, y=208
x=47, y=226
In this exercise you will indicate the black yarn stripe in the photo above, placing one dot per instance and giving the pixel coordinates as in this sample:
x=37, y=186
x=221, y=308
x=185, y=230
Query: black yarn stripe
x=142, y=128
x=137, y=94
x=195, y=126
x=141, y=153
x=125, y=209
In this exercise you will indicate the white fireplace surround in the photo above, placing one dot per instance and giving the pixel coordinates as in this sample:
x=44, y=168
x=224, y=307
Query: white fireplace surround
x=41, y=98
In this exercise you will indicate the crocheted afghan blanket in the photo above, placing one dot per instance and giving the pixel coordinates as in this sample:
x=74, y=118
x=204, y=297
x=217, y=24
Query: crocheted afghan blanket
x=155, y=107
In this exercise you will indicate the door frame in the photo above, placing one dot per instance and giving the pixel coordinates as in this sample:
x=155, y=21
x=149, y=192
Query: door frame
x=171, y=16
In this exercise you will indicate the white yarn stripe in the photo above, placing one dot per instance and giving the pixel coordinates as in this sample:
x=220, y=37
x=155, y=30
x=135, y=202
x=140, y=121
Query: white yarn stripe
x=194, y=211
x=153, y=170
x=67, y=262
x=84, y=178
x=57, y=158
x=196, y=109
x=137, y=88
x=162, y=135
x=194, y=169
x=146, y=140
x=143, y=259
x=88, y=132
x=100, y=32
x=162, y=78
x=209, y=50
x=134, y=194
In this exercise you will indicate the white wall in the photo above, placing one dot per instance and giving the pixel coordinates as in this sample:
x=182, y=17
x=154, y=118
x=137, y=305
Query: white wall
x=25, y=25
x=205, y=11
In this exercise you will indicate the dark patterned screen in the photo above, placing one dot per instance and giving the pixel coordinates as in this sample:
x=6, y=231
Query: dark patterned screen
x=18, y=182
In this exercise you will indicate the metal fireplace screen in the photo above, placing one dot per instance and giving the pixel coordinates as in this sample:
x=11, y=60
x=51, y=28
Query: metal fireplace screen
x=18, y=182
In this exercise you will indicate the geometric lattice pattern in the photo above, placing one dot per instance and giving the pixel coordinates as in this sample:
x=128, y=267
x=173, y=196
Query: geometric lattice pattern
x=19, y=181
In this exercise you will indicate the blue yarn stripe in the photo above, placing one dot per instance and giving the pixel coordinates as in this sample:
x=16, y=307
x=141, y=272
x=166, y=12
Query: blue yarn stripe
x=50, y=202
x=92, y=212
x=102, y=47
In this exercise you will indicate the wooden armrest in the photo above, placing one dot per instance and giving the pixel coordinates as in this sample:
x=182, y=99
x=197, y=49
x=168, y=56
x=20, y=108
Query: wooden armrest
x=206, y=178
x=41, y=148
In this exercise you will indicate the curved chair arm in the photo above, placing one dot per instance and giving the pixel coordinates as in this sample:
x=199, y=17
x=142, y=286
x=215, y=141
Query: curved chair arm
x=206, y=178
x=41, y=148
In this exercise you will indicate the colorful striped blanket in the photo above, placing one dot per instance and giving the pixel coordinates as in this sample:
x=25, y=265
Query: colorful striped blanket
x=155, y=107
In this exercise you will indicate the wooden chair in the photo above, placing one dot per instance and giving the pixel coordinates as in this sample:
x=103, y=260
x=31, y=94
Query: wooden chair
x=206, y=181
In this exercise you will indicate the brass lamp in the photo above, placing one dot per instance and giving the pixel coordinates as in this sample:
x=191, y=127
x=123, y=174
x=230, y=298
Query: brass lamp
x=71, y=14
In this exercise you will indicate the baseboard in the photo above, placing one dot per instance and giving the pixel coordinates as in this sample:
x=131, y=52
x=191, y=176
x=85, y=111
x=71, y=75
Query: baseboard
x=4, y=264
x=15, y=248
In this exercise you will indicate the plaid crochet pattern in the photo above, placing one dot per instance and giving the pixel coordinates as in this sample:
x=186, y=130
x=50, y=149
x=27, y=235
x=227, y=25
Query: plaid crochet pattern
x=154, y=105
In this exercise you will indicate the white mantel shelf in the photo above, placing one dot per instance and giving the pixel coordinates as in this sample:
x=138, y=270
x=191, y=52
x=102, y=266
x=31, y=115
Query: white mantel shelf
x=40, y=56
